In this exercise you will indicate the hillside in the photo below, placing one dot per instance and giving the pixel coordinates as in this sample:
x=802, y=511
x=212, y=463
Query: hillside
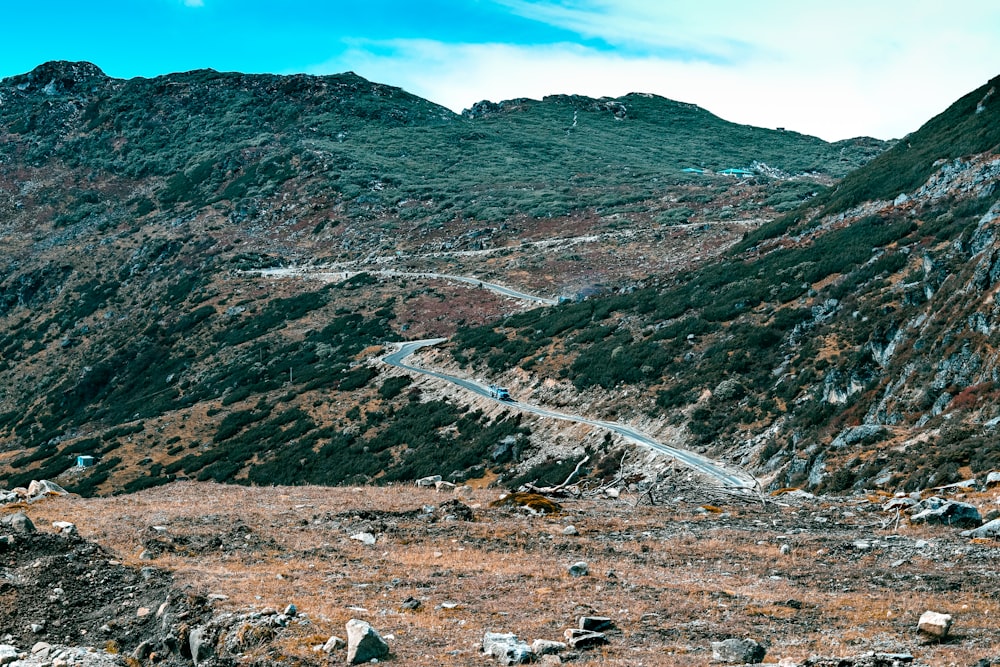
x=848, y=344
x=130, y=212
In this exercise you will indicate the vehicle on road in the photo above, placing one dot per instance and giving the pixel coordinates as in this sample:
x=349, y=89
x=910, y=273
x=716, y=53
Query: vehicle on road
x=500, y=393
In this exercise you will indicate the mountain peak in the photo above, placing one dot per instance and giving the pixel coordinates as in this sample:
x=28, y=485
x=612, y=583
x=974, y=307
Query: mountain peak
x=59, y=77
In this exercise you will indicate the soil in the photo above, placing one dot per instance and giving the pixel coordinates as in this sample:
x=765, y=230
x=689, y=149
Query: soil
x=675, y=571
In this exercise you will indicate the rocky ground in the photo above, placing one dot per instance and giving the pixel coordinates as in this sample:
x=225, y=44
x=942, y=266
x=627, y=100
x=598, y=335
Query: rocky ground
x=269, y=575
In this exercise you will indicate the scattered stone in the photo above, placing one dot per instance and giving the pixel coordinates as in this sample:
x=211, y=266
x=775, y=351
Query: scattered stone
x=738, y=651
x=334, y=643
x=428, y=481
x=444, y=486
x=364, y=643
x=8, y=654
x=547, y=647
x=785, y=549
x=507, y=648
x=581, y=639
x=950, y=513
x=934, y=624
x=612, y=492
x=579, y=569
x=291, y=611
x=19, y=523
x=596, y=623
x=992, y=479
x=570, y=530
x=365, y=538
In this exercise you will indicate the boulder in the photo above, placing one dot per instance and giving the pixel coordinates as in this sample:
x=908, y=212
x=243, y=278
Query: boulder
x=992, y=479
x=507, y=648
x=45, y=488
x=950, y=513
x=581, y=639
x=364, y=643
x=596, y=623
x=934, y=624
x=579, y=569
x=8, y=654
x=899, y=503
x=364, y=538
x=200, y=641
x=18, y=523
x=989, y=530
x=547, y=647
x=428, y=481
x=738, y=651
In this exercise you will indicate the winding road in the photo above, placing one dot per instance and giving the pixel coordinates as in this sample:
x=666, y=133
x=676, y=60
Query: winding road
x=724, y=476
x=345, y=275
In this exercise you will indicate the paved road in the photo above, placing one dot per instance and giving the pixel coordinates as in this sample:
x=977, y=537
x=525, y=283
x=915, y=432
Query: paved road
x=475, y=282
x=711, y=468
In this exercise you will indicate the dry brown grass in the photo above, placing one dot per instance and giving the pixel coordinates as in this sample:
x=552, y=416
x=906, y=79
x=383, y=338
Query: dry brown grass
x=674, y=578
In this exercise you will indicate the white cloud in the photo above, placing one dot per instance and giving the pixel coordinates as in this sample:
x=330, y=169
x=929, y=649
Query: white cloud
x=885, y=90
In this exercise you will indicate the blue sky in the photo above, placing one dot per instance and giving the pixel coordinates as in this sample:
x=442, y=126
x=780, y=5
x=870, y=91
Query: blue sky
x=833, y=69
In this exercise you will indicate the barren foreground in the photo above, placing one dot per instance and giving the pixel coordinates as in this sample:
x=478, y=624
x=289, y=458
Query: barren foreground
x=673, y=577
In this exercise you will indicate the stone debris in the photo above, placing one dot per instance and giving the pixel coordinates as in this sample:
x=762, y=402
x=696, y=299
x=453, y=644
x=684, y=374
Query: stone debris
x=738, y=651
x=935, y=625
x=872, y=659
x=364, y=643
x=507, y=648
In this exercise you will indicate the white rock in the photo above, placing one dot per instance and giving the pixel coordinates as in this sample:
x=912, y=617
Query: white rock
x=364, y=643
x=570, y=530
x=934, y=624
x=332, y=644
x=364, y=538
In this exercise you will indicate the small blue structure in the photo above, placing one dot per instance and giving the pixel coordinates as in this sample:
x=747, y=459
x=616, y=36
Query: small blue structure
x=84, y=461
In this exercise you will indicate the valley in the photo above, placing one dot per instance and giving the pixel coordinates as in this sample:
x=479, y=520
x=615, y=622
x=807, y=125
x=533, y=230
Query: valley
x=246, y=320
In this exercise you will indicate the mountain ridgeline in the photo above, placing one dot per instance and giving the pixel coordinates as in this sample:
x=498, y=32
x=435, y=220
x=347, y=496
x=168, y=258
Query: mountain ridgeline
x=131, y=211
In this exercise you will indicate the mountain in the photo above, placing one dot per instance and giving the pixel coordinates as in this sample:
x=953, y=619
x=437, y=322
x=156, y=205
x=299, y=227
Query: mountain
x=132, y=211
x=849, y=344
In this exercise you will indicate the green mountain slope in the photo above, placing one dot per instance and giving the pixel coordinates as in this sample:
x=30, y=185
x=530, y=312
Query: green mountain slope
x=129, y=209
x=822, y=334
